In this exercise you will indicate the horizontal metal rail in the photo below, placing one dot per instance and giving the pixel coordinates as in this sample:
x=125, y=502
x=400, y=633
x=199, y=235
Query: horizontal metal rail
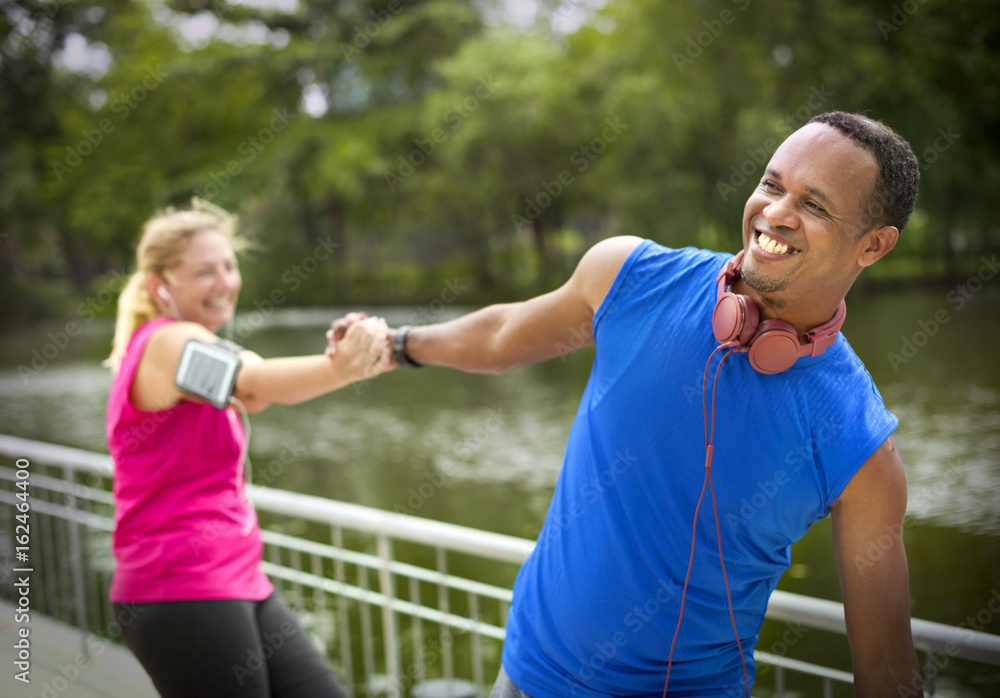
x=378, y=563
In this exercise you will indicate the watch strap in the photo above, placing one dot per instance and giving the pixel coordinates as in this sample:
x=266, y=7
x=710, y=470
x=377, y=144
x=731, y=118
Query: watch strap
x=399, y=348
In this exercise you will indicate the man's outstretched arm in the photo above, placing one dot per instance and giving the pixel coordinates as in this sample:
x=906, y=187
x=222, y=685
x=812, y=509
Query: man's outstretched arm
x=871, y=561
x=506, y=336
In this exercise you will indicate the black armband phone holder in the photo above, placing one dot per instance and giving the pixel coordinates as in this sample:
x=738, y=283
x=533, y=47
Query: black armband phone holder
x=207, y=371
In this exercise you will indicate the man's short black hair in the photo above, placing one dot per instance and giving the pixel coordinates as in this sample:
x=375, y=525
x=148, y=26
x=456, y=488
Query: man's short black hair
x=895, y=190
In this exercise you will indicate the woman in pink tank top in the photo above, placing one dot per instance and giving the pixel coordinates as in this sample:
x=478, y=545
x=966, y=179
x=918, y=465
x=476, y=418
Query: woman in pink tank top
x=194, y=606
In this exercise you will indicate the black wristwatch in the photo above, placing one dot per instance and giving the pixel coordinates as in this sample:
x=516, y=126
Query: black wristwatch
x=399, y=348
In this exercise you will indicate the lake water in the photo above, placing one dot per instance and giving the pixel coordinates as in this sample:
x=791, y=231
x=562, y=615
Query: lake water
x=501, y=440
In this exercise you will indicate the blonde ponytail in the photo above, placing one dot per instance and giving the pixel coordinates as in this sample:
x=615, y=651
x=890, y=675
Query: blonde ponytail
x=164, y=239
x=135, y=308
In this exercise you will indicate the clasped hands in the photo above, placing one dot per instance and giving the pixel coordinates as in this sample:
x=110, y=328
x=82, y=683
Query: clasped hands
x=360, y=345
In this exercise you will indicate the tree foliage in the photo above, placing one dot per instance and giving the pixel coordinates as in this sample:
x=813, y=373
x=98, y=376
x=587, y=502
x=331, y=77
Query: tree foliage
x=420, y=140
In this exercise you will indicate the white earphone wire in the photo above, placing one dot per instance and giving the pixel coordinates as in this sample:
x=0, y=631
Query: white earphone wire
x=245, y=457
x=169, y=300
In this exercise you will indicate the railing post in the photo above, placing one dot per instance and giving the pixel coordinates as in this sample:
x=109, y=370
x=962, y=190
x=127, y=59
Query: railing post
x=46, y=544
x=367, y=652
x=322, y=613
x=391, y=638
x=295, y=560
x=346, y=661
x=447, y=665
x=477, y=645
x=76, y=556
x=417, y=629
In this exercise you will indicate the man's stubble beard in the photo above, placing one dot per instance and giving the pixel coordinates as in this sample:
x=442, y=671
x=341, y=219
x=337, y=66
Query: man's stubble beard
x=759, y=282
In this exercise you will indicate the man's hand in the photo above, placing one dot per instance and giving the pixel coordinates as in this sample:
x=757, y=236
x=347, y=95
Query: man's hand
x=868, y=519
x=506, y=336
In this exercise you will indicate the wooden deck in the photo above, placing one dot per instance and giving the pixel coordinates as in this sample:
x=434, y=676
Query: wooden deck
x=61, y=669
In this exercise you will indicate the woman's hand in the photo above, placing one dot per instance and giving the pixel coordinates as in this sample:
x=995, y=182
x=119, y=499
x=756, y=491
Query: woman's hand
x=362, y=350
x=338, y=328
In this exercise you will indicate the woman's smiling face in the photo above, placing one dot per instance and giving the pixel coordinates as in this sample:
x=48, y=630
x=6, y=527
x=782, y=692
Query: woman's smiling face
x=205, y=285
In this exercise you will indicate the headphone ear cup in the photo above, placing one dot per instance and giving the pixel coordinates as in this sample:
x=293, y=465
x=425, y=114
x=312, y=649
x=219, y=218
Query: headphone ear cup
x=775, y=348
x=735, y=318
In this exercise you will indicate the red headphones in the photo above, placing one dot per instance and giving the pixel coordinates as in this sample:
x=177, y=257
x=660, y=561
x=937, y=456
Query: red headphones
x=773, y=345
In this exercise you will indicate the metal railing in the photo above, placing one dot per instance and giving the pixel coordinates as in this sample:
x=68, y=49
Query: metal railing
x=393, y=599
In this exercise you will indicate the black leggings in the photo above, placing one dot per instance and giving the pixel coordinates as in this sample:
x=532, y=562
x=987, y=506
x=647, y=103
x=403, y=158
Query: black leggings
x=226, y=648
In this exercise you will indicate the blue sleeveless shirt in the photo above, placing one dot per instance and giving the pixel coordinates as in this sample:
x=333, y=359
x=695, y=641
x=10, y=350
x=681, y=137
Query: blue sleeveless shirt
x=596, y=604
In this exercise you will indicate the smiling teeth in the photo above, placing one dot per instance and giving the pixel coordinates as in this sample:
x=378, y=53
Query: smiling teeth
x=773, y=246
x=221, y=303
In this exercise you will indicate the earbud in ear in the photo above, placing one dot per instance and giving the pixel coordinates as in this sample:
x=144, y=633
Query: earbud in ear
x=162, y=293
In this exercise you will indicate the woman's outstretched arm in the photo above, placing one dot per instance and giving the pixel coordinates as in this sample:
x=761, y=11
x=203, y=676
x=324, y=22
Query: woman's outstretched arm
x=361, y=355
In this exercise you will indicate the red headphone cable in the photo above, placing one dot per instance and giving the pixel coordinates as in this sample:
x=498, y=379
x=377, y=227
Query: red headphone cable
x=709, y=438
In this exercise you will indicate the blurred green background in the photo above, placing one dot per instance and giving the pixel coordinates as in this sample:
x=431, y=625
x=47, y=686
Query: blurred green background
x=486, y=142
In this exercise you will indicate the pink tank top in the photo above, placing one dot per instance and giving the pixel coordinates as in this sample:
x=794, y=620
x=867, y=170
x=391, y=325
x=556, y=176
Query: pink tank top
x=184, y=529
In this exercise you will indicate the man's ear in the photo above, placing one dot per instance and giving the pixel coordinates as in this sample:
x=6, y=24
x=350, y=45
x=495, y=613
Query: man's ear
x=875, y=244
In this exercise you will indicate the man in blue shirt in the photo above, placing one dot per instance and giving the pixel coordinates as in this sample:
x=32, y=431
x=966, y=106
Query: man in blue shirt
x=597, y=607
